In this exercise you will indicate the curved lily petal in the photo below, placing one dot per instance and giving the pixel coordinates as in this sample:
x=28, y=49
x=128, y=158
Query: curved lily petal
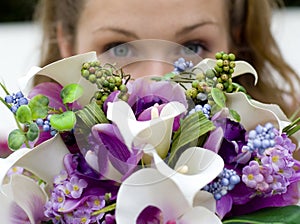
x=205, y=199
x=156, y=131
x=63, y=71
x=30, y=199
x=45, y=160
x=241, y=67
x=199, y=215
x=153, y=189
x=260, y=113
x=195, y=168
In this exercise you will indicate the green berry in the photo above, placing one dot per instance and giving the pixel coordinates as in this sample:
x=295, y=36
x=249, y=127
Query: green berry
x=218, y=55
x=232, y=64
x=195, y=84
x=92, y=78
x=224, y=77
x=219, y=63
x=86, y=66
x=225, y=57
x=85, y=73
x=220, y=86
x=123, y=88
x=210, y=73
x=92, y=70
x=192, y=93
x=231, y=57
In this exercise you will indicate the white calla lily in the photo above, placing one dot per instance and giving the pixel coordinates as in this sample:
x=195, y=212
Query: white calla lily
x=45, y=161
x=156, y=132
x=241, y=67
x=260, y=113
x=195, y=168
x=154, y=189
x=63, y=71
x=25, y=193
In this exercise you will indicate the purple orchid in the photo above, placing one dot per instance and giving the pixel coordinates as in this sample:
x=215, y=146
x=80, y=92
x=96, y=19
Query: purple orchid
x=109, y=155
x=145, y=93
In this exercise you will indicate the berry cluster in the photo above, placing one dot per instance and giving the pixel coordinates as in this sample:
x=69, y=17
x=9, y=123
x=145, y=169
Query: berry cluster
x=205, y=109
x=261, y=138
x=45, y=124
x=16, y=100
x=225, y=182
x=181, y=65
x=219, y=77
x=107, y=78
x=223, y=70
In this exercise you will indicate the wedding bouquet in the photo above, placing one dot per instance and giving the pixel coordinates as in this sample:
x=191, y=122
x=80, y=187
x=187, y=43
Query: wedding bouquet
x=96, y=146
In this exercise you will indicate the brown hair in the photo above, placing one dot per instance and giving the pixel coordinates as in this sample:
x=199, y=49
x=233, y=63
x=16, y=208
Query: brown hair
x=251, y=40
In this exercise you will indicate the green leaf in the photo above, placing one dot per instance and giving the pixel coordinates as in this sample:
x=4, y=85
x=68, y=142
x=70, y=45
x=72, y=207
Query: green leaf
x=33, y=132
x=16, y=139
x=92, y=114
x=191, y=128
x=235, y=115
x=218, y=96
x=23, y=114
x=63, y=122
x=275, y=215
x=71, y=92
x=39, y=106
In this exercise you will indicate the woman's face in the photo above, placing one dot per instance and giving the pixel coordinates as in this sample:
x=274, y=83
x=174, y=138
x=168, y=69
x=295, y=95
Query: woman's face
x=199, y=25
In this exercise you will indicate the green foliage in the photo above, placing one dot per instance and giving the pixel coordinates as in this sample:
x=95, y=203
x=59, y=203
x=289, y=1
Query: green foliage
x=71, y=92
x=191, y=128
x=63, y=122
x=16, y=139
x=278, y=215
x=24, y=115
x=39, y=106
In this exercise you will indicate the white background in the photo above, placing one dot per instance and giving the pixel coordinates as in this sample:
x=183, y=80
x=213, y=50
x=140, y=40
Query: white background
x=20, y=43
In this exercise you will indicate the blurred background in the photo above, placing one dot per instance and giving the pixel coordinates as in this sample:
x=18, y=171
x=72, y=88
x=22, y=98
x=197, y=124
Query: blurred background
x=20, y=40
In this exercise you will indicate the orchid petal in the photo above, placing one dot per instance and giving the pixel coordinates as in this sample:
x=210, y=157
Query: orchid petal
x=241, y=67
x=45, y=160
x=152, y=188
x=31, y=198
x=111, y=157
x=199, y=215
x=63, y=71
x=201, y=167
x=156, y=132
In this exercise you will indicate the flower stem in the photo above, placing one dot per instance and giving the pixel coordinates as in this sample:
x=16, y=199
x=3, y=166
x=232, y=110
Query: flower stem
x=105, y=209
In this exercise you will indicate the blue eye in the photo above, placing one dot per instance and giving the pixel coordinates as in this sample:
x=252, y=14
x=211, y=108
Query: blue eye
x=121, y=50
x=193, y=48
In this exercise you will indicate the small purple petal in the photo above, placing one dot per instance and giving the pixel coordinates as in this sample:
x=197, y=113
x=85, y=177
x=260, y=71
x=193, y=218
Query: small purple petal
x=150, y=214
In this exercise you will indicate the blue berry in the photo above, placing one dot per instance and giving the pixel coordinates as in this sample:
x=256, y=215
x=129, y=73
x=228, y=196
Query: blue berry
x=225, y=182
x=46, y=127
x=19, y=95
x=261, y=138
x=14, y=108
x=39, y=122
x=9, y=99
x=22, y=101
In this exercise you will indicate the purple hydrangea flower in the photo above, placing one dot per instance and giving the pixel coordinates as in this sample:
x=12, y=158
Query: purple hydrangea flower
x=251, y=175
x=76, y=186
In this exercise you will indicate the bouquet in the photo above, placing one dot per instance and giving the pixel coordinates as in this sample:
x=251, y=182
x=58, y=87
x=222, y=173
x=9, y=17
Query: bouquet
x=191, y=146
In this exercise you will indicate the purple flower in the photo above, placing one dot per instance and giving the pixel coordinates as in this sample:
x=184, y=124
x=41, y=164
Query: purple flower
x=76, y=186
x=107, y=147
x=251, y=174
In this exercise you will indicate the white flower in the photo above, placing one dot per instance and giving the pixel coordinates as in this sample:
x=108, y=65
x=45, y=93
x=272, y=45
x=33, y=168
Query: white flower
x=45, y=161
x=177, y=195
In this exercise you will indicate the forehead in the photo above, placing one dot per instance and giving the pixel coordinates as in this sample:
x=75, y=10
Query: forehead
x=151, y=18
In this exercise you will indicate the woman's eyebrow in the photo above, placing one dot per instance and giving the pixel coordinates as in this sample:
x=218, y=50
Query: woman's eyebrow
x=190, y=28
x=118, y=30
